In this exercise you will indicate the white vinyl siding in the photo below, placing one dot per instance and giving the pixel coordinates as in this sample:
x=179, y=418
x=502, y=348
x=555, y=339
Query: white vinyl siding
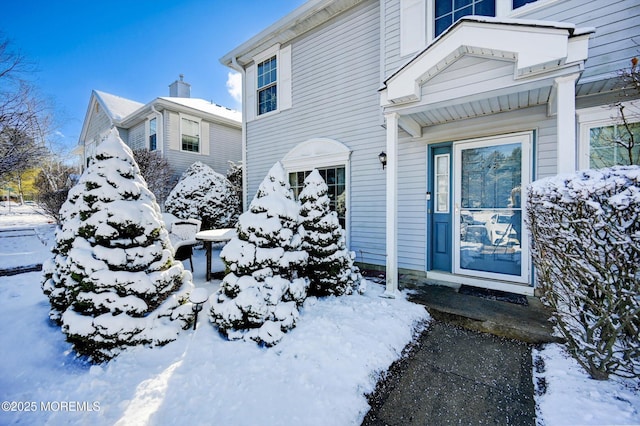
x=334, y=95
x=612, y=45
x=137, y=137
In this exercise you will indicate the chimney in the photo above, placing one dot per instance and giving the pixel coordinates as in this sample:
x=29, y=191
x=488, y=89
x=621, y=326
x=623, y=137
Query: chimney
x=180, y=89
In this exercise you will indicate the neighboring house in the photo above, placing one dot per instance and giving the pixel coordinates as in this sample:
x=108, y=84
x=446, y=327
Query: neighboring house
x=465, y=110
x=183, y=129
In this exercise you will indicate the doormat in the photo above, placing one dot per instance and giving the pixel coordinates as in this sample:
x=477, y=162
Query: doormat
x=501, y=296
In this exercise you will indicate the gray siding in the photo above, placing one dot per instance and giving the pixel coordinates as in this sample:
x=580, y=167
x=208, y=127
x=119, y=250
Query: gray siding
x=98, y=123
x=335, y=77
x=225, y=143
x=136, y=138
x=617, y=30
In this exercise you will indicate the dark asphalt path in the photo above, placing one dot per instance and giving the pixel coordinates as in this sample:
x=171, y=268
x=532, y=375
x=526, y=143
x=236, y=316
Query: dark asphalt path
x=457, y=376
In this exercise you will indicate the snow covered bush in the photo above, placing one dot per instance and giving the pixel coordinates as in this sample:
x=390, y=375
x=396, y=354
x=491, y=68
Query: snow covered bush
x=259, y=298
x=204, y=194
x=112, y=281
x=330, y=267
x=586, y=248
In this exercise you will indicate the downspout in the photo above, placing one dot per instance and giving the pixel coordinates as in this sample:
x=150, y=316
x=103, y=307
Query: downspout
x=237, y=67
x=159, y=134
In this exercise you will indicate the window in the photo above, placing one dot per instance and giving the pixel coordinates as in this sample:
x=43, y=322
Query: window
x=153, y=141
x=447, y=12
x=520, y=3
x=267, y=86
x=335, y=178
x=190, y=135
x=611, y=145
x=605, y=140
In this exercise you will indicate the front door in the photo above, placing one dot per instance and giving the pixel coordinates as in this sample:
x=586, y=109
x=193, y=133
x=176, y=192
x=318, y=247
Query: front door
x=439, y=208
x=489, y=237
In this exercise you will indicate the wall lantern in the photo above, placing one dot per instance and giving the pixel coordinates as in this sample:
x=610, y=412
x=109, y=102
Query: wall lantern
x=383, y=159
x=198, y=296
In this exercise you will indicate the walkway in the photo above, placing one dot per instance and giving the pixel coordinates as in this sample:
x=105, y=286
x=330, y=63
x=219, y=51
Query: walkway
x=471, y=366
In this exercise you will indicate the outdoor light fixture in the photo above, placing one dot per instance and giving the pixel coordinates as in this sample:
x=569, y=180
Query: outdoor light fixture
x=383, y=159
x=198, y=296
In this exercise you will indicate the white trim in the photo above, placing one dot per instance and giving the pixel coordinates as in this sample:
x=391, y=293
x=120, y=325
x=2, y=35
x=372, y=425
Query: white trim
x=526, y=139
x=392, y=205
x=600, y=116
x=283, y=82
x=492, y=284
x=412, y=26
x=435, y=183
x=565, y=89
x=191, y=118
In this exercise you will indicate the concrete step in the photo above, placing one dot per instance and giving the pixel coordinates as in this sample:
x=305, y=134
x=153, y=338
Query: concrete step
x=530, y=323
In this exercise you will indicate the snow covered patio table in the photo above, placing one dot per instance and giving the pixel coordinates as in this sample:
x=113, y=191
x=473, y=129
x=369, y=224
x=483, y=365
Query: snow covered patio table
x=214, y=236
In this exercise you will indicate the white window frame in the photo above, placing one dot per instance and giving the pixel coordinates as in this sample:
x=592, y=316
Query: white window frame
x=148, y=132
x=601, y=116
x=195, y=119
x=318, y=153
x=504, y=9
x=283, y=82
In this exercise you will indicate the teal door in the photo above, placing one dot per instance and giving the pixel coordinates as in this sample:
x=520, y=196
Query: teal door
x=439, y=221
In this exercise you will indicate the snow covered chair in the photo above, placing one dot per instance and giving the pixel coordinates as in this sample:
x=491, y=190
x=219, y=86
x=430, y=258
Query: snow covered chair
x=182, y=234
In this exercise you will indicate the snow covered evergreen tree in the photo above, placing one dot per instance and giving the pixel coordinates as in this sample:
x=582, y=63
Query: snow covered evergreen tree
x=204, y=194
x=112, y=281
x=330, y=266
x=260, y=296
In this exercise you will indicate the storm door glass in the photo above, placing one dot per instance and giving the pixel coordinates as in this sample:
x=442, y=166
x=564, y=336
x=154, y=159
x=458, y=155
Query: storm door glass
x=488, y=209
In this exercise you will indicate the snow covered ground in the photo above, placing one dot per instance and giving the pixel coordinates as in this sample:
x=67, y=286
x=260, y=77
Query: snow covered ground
x=318, y=374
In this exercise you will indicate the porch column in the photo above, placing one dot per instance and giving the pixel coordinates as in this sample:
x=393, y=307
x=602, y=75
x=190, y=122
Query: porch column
x=566, y=123
x=392, y=204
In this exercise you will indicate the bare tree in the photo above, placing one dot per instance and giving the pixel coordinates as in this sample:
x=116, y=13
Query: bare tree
x=626, y=134
x=157, y=172
x=24, y=118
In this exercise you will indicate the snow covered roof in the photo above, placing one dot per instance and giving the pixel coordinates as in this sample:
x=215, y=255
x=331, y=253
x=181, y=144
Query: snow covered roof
x=206, y=106
x=117, y=107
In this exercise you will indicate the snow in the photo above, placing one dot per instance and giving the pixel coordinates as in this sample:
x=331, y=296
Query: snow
x=209, y=107
x=318, y=374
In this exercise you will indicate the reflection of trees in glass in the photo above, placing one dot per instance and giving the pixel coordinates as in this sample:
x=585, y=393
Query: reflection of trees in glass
x=614, y=145
x=489, y=174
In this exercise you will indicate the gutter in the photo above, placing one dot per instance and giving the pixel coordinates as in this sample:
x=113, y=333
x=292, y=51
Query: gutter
x=235, y=66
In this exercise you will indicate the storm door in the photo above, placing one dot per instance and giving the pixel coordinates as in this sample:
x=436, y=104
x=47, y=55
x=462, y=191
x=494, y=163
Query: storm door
x=489, y=236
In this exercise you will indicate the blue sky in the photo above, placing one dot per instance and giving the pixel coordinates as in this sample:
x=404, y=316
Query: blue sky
x=133, y=48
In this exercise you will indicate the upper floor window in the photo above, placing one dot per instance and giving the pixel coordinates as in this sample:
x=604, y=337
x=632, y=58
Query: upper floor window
x=190, y=135
x=447, y=12
x=153, y=140
x=267, y=85
x=520, y=3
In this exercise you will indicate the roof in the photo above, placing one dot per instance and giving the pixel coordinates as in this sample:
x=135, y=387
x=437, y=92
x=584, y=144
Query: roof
x=117, y=107
x=306, y=17
x=206, y=106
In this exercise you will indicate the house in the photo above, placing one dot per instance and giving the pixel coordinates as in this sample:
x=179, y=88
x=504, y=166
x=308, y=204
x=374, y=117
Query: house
x=183, y=129
x=429, y=118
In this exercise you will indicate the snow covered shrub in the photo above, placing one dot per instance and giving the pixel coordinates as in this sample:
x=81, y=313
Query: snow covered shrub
x=112, y=281
x=330, y=266
x=259, y=298
x=203, y=194
x=586, y=248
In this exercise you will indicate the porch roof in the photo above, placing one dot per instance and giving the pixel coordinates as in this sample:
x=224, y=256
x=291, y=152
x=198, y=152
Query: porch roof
x=483, y=66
